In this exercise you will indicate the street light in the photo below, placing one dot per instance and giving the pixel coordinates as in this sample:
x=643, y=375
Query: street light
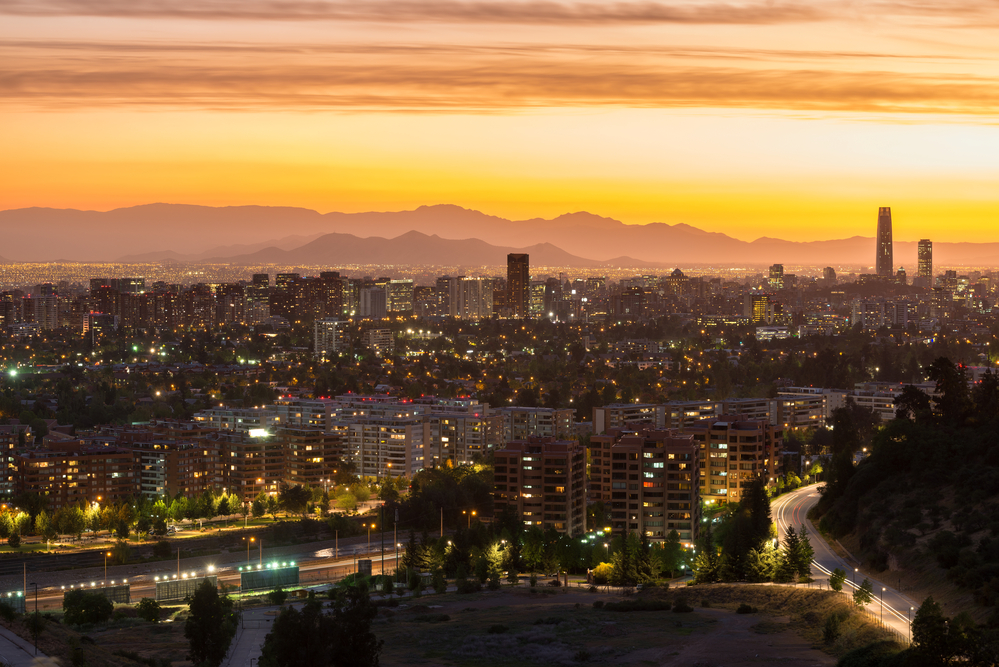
x=369, y=526
x=107, y=554
x=883, y=589
x=910, y=623
x=470, y=515
x=854, y=576
x=248, y=540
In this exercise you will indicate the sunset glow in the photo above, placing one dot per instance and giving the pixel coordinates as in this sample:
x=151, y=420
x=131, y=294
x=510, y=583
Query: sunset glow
x=755, y=119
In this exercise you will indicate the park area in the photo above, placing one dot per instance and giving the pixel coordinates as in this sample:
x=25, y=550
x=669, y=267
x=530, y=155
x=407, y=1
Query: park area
x=692, y=626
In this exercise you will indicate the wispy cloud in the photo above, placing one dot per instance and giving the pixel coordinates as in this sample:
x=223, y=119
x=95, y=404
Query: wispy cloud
x=453, y=78
x=444, y=11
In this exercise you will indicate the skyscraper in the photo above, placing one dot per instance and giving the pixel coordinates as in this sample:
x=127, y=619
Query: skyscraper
x=517, y=282
x=776, y=276
x=885, y=264
x=924, y=272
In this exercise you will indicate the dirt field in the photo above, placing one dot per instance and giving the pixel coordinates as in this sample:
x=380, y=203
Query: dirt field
x=565, y=629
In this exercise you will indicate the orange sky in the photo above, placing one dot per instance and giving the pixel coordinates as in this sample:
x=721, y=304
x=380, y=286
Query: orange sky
x=752, y=118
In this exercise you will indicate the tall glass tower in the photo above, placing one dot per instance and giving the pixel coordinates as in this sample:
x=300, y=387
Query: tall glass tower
x=884, y=263
x=925, y=271
x=517, y=283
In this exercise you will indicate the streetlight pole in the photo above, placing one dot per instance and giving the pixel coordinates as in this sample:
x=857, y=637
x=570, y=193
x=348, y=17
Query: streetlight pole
x=883, y=605
x=853, y=577
x=910, y=623
x=106, y=554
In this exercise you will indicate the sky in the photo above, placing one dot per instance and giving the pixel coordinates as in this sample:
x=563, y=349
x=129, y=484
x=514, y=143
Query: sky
x=759, y=118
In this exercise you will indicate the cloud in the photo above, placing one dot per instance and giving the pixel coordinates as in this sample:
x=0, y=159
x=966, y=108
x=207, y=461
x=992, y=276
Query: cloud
x=455, y=78
x=443, y=11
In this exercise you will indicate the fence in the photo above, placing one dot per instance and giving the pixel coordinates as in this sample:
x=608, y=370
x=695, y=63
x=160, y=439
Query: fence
x=15, y=600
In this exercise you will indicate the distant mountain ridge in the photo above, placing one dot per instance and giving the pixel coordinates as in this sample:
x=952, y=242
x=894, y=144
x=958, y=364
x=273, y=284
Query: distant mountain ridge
x=189, y=233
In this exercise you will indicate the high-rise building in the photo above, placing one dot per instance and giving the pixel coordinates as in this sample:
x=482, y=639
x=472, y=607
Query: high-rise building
x=885, y=266
x=829, y=275
x=924, y=273
x=475, y=298
x=543, y=480
x=649, y=480
x=517, y=279
x=776, y=276
x=329, y=337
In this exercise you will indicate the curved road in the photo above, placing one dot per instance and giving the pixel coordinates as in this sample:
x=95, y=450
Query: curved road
x=791, y=509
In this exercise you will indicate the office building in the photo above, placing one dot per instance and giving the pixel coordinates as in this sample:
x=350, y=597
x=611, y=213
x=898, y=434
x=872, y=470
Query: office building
x=885, y=267
x=518, y=277
x=649, y=482
x=776, y=281
x=475, y=299
x=543, y=480
x=373, y=303
x=382, y=341
x=924, y=271
x=400, y=296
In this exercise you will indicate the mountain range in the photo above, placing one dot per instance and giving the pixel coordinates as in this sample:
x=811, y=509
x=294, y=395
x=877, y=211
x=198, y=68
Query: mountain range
x=439, y=235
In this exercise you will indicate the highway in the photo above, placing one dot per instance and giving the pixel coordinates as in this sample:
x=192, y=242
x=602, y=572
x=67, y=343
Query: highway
x=791, y=509
x=316, y=570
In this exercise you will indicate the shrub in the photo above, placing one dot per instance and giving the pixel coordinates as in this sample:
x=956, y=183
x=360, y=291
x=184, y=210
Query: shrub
x=162, y=549
x=497, y=629
x=534, y=580
x=593, y=589
x=830, y=632
x=598, y=604
x=432, y=618
x=601, y=573
x=277, y=596
x=549, y=620
x=468, y=585
x=14, y=541
x=746, y=609
x=638, y=605
x=555, y=583
x=438, y=581
x=582, y=655
x=86, y=607
x=148, y=610
x=705, y=603
x=680, y=606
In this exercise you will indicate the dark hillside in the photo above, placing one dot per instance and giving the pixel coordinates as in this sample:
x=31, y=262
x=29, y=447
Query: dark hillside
x=927, y=496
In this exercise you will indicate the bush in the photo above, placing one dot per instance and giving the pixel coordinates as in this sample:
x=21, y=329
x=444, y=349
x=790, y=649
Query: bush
x=549, y=620
x=638, y=605
x=148, y=610
x=598, y=604
x=14, y=541
x=162, y=549
x=497, y=629
x=593, y=589
x=494, y=580
x=601, y=574
x=438, y=581
x=534, y=580
x=680, y=606
x=277, y=596
x=705, y=603
x=830, y=632
x=582, y=655
x=746, y=609
x=86, y=607
x=555, y=583
x=432, y=618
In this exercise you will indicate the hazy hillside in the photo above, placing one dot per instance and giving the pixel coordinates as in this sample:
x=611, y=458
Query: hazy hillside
x=176, y=232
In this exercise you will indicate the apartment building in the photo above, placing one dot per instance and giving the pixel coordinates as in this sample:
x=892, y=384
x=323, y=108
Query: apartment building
x=649, y=481
x=461, y=437
x=64, y=478
x=619, y=415
x=544, y=481
x=522, y=423
x=733, y=451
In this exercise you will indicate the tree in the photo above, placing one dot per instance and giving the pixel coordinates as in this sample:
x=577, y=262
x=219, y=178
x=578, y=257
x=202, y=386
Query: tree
x=864, y=595
x=210, y=626
x=120, y=552
x=148, y=609
x=14, y=541
x=339, y=637
x=272, y=507
x=837, y=579
x=86, y=607
x=804, y=554
x=258, y=508
x=277, y=596
x=674, y=555
x=45, y=527
x=346, y=501
x=295, y=499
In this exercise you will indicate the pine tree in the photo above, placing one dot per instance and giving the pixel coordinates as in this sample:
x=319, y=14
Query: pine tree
x=804, y=555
